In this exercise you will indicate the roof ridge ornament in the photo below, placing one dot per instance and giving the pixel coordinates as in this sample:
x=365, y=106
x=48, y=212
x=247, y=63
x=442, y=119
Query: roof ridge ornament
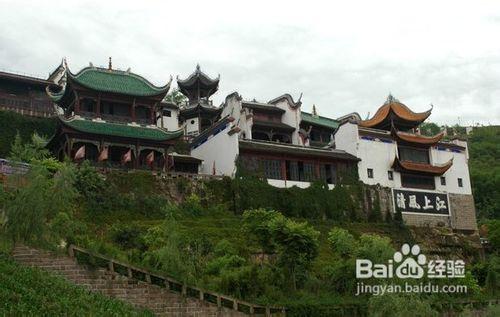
x=314, y=112
x=391, y=99
x=110, y=64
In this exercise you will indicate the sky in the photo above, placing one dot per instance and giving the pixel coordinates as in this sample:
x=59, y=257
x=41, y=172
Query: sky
x=343, y=56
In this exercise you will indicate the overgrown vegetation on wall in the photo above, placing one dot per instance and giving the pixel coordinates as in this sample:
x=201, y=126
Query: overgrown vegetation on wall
x=12, y=123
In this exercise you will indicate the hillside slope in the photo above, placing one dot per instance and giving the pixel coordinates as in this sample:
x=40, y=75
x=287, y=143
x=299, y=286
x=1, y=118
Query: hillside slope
x=32, y=292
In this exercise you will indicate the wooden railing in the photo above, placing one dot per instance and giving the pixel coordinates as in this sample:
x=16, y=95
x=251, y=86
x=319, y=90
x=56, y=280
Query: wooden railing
x=173, y=285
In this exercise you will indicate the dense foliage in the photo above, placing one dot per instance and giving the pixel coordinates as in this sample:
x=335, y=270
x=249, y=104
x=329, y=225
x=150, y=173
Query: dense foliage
x=484, y=165
x=12, y=123
x=241, y=237
x=32, y=292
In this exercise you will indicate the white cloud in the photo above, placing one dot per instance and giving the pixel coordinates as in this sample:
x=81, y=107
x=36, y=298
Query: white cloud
x=344, y=56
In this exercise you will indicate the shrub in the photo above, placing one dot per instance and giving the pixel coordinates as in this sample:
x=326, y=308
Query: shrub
x=127, y=236
x=341, y=241
x=392, y=305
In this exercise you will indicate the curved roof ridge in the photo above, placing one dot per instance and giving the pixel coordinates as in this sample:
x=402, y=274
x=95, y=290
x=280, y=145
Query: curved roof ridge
x=417, y=138
x=118, y=72
x=289, y=98
x=199, y=74
x=438, y=169
x=399, y=109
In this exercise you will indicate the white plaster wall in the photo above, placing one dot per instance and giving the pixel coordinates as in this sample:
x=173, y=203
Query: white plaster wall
x=378, y=156
x=459, y=169
x=222, y=149
x=292, y=117
x=192, y=126
x=170, y=123
x=346, y=138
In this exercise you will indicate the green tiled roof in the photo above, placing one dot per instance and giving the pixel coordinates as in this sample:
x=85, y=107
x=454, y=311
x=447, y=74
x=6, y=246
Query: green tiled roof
x=319, y=120
x=122, y=130
x=117, y=81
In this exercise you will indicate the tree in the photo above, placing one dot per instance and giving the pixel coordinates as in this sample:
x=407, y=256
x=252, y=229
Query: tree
x=176, y=97
x=29, y=152
x=429, y=128
x=42, y=196
x=395, y=305
x=296, y=243
x=375, y=248
x=342, y=242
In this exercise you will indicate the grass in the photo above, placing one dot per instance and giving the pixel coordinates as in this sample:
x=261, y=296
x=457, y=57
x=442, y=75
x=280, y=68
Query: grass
x=32, y=292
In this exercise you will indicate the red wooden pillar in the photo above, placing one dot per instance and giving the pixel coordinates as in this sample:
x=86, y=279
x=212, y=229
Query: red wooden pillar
x=132, y=111
x=283, y=169
x=98, y=106
x=316, y=170
x=77, y=103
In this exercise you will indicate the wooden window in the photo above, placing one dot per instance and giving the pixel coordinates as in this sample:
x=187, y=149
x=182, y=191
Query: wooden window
x=292, y=171
x=413, y=154
x=369, y=172
x=390, y=175
x=272, y=169
x=417, y=181
x=460, y=183
x=443, y=181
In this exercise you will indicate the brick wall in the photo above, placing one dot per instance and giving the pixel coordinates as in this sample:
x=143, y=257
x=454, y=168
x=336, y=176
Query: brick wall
x=140, y=294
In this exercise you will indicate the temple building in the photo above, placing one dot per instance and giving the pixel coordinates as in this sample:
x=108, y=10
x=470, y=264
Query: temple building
x=429, y=177
x=198, y=113
x=26, y=95
x=317, y=130
x=269, y=138
x=115, y=118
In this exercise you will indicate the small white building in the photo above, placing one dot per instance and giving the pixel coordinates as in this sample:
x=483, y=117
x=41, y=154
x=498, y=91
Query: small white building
x=267, y=138
x=429, y=177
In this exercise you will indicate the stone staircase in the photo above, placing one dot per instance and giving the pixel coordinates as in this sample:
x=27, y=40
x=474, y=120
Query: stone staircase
x=161, y=295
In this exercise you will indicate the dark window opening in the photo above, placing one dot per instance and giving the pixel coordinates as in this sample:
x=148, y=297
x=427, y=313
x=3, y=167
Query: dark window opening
x=88, y=105
x=460, y=183
x=418, y=181
x=185, y=167
x=413, y=154
x=443, y=181
x=257, y=135
x=390, y=175
x=142, y=114
x=205, y=124
x=369, y=171
x=272, y=169
x=167, y=113
x=282, y=138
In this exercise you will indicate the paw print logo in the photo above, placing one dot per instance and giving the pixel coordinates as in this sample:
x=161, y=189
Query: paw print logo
x=409, y=268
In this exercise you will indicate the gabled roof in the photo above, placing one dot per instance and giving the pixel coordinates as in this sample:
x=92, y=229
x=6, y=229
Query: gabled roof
x=394, y=112
x=412, y=167
x=121, y=130
x=289, y=98
x=319, y=120
x=273, y=125
x=26, y=79
x=262, y=106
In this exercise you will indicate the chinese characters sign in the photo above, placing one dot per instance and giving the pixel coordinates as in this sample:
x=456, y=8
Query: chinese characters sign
x=421, y=202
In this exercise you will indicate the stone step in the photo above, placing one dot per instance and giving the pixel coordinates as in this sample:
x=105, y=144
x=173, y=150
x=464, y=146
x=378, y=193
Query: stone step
x=140, y=294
